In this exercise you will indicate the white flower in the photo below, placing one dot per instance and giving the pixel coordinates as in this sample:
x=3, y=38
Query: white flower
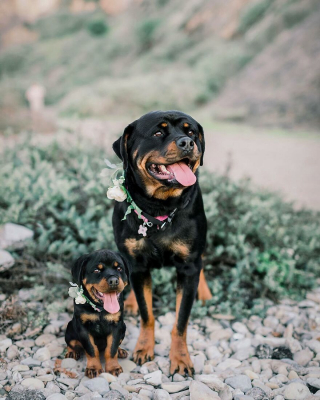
x=116, y=193
x=73, y=292
x=105, y=172
x=80, y=299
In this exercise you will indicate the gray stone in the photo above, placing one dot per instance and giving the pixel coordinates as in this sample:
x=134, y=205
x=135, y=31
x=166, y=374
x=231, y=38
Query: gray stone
x=42, y=354
x=127, y=365
x=257, y=393
x=154, y=378
x=296, y=391
x=174, y=387
x=229, y=363
x=4, y=344
x=114, y=395
x=44, y=339
x=212, y=381
x=57, y=396
x=6, y=260
x=241, y=382
x=32, y=383
x=99, y=385
x=303, y=357
x=161, y=394
x=225, y=394
x=200, y=391
x=26, y=395
x=68, y=363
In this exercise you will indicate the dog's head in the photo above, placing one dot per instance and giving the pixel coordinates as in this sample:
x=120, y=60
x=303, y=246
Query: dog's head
x=103, y=275
x=163, y=150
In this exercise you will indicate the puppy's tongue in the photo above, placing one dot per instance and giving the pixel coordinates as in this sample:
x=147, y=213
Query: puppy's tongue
x=182, y=173
x=110, y=302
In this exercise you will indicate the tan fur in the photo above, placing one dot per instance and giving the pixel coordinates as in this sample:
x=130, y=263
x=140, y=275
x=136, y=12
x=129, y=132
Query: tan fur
x=204, y=293
x=113, y=317
x=88, y=318
x=134, y=246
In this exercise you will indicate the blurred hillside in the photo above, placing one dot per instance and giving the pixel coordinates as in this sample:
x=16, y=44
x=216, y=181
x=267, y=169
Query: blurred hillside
x=243, y=60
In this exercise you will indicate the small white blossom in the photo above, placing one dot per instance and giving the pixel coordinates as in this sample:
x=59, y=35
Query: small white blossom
x=73, y=292
x=80, y=299
x=116, y=193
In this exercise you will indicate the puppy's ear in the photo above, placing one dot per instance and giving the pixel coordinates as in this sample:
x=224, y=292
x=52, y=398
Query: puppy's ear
x=202, y=141
x=120, y=145
x=78, y=268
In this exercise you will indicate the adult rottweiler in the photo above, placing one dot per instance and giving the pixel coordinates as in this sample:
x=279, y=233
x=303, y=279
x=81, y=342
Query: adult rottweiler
x=161, y=154
x=97, y=323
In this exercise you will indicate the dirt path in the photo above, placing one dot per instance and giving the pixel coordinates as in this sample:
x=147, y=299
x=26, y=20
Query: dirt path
x=286, y=164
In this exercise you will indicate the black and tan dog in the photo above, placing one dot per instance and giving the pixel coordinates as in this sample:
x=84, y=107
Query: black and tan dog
x=161, y=153
x=97, y=325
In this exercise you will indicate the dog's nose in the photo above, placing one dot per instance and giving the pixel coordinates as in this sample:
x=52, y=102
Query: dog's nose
x=113, y=281
x=186, y=144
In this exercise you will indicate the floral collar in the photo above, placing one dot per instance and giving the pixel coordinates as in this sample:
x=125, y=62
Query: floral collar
x=120, y=193
x=76, y=293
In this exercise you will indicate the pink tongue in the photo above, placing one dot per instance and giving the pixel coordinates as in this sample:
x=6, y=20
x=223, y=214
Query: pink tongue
x=183, y=173
x=110, y=302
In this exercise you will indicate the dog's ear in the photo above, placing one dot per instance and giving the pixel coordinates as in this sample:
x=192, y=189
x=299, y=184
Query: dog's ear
x=78, y=268
x=202, y=141
x=120, y=145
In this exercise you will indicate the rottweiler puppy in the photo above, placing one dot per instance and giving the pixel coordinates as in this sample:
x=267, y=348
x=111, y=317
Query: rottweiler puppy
x=161, y=154
x=97, y=325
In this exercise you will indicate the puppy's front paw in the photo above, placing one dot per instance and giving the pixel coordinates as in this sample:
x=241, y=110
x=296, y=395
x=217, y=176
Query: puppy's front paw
x=122, y=353
x=92, y=372
x=73, y=354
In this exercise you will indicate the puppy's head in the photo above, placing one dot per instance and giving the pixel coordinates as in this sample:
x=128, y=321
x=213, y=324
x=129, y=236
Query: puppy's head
x=103, y=275
x=163, y=150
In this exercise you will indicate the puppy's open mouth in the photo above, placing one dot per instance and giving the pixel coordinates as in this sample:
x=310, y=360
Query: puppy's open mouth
x=180, y=171
x=110, y=300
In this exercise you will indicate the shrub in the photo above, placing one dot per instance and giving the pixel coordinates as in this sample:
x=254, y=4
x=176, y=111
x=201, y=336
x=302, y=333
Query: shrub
x=98, y=27
x=258, y=246
x=252, y=14
x=146, y=32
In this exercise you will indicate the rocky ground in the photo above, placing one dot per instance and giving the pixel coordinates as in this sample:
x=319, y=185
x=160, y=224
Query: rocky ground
x=274, y=358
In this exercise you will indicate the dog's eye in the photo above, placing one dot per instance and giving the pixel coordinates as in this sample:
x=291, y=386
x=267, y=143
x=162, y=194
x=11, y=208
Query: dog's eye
x=97, y=271
x=158, y=134
x=119, y=269
x=190, y=133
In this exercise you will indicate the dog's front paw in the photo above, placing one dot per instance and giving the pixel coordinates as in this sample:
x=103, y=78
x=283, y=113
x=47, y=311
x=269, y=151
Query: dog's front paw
x=92, y=372
x=122, y=353
x=114, y=368
x=143, y=353
x=180, y=363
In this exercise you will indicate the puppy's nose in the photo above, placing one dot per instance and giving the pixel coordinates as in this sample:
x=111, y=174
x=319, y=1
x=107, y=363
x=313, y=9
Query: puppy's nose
x=113, y=281
x=186, y=144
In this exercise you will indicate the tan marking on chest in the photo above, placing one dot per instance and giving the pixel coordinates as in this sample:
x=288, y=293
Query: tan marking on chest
x=113, y=317
x=178, y=247
x=134, y=246
x=88, y=318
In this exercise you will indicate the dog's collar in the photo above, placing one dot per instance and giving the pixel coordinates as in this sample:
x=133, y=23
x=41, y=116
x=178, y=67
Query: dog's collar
x=79, y=297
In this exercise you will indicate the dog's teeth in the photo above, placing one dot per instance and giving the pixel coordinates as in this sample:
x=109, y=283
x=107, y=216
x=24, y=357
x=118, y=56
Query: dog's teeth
x=163, y=169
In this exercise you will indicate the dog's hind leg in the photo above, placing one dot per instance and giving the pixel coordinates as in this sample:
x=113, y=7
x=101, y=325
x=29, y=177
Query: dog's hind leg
x=142, y=285
x=204, y=293
x=130, y=304
x=74, y=348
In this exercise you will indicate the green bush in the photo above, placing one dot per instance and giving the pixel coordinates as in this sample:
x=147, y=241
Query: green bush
x=146, y=32
x=252, y=14
x=59, y=24
x=258, y=246
x=98, y=27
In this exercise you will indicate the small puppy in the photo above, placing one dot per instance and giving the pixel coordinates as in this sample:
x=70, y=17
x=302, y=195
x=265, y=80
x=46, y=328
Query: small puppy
x=97, y=324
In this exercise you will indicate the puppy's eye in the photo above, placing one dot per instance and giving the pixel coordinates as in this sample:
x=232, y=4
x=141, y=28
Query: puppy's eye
x=158, y=134
x=119, y=269
x=97, y=271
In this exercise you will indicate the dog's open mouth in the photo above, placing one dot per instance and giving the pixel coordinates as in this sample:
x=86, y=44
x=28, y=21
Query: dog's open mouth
x=109, y=300
x=180, y=171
